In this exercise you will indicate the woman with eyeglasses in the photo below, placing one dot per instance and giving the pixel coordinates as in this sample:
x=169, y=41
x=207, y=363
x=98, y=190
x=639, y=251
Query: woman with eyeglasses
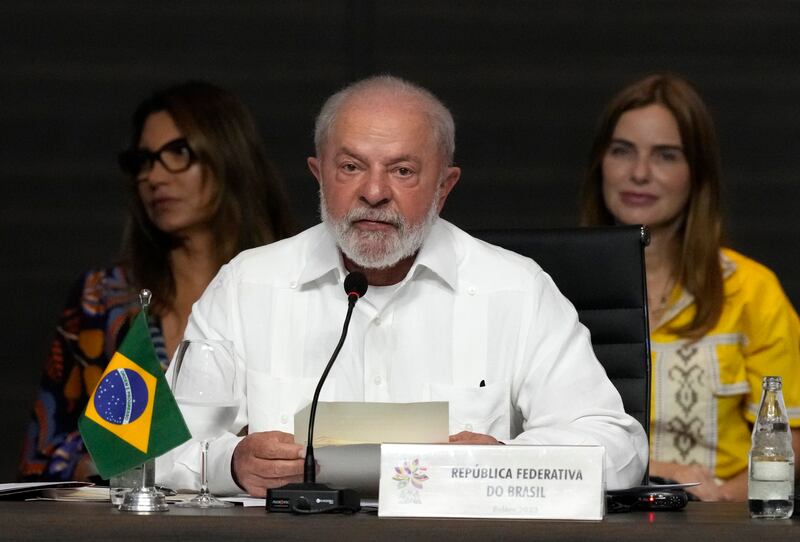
x=719, y=321
x=201, y=190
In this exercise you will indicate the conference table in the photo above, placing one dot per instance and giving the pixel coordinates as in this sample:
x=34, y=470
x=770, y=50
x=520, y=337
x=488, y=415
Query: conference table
x=86, y=521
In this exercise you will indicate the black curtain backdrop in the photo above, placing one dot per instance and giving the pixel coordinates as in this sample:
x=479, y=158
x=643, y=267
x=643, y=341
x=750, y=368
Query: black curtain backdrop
x=525, y=81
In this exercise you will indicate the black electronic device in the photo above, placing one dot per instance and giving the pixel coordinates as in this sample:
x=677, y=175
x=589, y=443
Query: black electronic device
x=310, y=497
x=646, y=498
x=661, y=499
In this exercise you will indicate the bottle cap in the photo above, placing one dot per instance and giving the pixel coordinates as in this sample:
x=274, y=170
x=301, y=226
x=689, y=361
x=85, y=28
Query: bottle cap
x=772, y=383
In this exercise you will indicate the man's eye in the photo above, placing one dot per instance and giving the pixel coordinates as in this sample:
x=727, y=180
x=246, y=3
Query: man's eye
x=349, y=167
x=404, y=171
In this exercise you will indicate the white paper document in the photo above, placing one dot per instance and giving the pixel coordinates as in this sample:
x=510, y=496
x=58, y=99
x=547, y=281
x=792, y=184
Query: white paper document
x=22, y=488
x=339, y=423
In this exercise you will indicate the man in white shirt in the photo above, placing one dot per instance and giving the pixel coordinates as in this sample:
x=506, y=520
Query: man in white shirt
x=446, y=317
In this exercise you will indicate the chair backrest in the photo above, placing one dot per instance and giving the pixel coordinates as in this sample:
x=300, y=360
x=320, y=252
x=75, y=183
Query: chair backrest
x=601, y=271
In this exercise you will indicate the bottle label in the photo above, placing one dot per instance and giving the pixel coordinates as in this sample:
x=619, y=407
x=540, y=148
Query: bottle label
x=772, y=471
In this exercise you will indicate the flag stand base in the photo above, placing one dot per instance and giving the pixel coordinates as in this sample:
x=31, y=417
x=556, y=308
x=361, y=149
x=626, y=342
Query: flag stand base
x=144, y=499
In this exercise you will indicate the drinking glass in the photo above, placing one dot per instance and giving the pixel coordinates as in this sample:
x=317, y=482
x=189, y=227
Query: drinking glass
x=205, y=386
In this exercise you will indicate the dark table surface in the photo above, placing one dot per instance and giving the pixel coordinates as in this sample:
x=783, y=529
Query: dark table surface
x=94, y=521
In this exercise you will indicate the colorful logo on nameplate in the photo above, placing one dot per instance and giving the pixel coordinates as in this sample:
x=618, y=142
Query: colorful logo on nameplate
x=410, y=473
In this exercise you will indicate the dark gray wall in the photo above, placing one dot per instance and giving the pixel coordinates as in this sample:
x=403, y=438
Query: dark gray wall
x=525, y=80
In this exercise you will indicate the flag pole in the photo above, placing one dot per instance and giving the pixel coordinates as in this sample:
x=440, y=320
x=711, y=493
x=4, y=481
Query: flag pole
x=145, y=296
x=146, y=497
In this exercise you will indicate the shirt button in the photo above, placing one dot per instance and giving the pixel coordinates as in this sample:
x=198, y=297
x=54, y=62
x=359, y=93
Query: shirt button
x=293, y=284
x=284, y=419
x=472, y=290
x=377, y=380
x=378, y=320
x=468, y=427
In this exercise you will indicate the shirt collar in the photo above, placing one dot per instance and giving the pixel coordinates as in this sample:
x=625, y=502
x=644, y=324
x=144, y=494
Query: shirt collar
x=685, y=298
x=437, y=255
x=323, y=258
x=728, y=265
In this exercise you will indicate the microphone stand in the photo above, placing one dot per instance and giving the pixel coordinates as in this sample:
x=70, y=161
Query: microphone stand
x=309, y=468
x=310, y=497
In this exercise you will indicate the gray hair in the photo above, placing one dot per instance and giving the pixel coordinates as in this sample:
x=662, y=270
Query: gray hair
x=441, y=120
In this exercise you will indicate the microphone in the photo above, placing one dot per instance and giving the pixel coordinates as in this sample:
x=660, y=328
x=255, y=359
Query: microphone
x=355, y=286
x=310, y=497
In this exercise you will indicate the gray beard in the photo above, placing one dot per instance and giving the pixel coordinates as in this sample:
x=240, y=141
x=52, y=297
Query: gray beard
x=374, y=249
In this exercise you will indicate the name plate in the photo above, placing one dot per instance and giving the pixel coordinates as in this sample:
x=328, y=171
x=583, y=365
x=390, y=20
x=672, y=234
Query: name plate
x=471, y=481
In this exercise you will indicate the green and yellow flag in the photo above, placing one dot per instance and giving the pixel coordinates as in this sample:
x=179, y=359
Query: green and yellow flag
x=131, y=416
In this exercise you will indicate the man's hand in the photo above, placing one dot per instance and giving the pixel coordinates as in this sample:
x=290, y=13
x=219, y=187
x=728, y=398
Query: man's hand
x=266, y=460
x=467, y=437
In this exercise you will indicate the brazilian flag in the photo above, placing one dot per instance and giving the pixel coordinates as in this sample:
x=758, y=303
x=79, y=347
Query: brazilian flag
x=131, y=416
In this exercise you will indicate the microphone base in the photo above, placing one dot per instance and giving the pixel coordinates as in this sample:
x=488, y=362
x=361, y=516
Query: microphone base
x=312, y=498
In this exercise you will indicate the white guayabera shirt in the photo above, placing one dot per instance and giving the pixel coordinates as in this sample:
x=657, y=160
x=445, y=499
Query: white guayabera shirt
x=466, y=312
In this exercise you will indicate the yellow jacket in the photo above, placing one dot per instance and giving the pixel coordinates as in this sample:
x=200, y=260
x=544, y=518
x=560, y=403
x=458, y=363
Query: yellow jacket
x=705, y=394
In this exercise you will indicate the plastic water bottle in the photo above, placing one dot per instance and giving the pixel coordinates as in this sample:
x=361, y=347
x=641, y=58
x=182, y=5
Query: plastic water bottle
x=770, y=490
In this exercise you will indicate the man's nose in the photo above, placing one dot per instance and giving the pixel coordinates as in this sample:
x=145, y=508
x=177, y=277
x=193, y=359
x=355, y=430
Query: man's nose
x=375, y=188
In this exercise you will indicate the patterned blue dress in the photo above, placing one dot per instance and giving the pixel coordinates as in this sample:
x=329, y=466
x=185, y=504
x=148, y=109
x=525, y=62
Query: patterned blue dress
x=99, y=309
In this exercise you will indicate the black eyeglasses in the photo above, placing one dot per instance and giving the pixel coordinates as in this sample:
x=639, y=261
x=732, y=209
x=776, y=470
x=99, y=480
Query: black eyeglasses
x=176, y=156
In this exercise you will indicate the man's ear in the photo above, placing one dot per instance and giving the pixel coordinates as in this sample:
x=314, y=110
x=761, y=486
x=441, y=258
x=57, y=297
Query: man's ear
x=315, y=165
x=451, y=178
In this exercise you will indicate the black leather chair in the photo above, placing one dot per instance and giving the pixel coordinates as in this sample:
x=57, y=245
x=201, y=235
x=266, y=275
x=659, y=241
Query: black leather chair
x=601, y=271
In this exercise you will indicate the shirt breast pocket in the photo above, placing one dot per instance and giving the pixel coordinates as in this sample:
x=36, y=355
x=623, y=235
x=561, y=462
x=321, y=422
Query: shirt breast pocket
x=728, y=367
x=484, y=409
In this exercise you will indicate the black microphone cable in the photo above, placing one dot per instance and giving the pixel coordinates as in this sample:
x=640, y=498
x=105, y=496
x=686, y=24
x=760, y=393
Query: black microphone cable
x=309, y=497
x=355, y=286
